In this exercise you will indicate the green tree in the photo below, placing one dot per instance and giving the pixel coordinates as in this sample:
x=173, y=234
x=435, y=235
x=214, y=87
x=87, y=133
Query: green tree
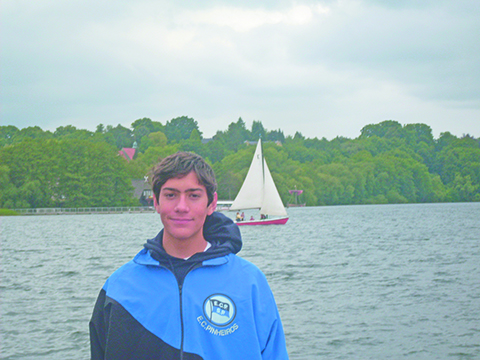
x=387, y=163
x=7, y=190
x=122, y=135
x=387, y=128
x=64, y=131
x=143, y=127
x=151, y=126
x=92, y=174
x=144, y=162
x=193, y=143
x=275, y=135
x=180, y=128
x=7, y=134
x=100, y=129
x=234, y=137
x=66, y=172
x=31, y=132
x=463, y=188
x=416, y=133
x=215, y=151
x=258, y=131
x=157, y=138
x=446, y=139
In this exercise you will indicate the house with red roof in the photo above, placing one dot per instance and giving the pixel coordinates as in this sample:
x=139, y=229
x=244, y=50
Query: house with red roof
x=127, y=153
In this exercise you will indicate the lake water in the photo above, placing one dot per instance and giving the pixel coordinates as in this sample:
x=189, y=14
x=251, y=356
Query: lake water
x=351, y=282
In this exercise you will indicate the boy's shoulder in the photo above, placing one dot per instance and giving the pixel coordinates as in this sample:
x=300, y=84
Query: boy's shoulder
x=134, y=266
x=246, y=267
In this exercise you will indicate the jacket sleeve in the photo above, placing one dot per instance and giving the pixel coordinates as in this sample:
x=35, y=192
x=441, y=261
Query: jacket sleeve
x=270, y=332
x=276, y=348
x=98, y=328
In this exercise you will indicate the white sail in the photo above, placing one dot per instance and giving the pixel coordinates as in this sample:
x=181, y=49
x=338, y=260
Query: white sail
x=258, y=191
x=272, y=202
x=251, y=193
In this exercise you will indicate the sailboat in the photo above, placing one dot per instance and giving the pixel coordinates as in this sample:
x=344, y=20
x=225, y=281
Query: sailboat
x=258, y=191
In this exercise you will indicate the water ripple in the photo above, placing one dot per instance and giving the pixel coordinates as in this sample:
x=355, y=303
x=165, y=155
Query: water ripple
x=351, y=282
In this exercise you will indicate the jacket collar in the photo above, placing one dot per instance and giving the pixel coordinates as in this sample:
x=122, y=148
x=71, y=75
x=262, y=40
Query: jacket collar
x=144, y=257
x=219, y=230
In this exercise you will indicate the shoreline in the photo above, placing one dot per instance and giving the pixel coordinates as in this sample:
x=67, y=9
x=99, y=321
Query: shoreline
x=87, y=211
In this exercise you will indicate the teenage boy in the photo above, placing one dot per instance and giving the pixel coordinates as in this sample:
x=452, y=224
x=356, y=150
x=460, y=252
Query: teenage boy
x=186, y=295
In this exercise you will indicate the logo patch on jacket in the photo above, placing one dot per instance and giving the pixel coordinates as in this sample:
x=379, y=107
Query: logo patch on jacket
x=218, y=311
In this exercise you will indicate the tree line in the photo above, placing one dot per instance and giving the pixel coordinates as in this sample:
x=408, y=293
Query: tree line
x=387, y=163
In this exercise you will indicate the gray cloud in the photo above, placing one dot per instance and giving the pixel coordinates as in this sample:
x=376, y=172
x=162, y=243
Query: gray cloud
x=432, y=50
x=323, y=68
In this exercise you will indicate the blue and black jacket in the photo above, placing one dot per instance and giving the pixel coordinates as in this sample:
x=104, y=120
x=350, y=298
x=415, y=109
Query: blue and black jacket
x=215, y=305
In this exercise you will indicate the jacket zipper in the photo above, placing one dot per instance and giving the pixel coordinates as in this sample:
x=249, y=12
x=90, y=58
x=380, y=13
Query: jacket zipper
x=180, y=290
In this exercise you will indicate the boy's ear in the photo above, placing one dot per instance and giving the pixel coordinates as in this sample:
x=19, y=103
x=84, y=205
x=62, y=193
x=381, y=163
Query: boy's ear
x=155, y=204
x=213, y=204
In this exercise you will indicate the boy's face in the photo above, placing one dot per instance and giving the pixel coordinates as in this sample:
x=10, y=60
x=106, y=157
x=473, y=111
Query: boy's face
x=182, y=205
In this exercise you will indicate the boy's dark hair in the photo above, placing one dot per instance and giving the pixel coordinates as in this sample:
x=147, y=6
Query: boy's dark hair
x=181, y=164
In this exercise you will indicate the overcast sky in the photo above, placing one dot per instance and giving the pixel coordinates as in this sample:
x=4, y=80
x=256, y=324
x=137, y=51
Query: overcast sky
x=324, y=68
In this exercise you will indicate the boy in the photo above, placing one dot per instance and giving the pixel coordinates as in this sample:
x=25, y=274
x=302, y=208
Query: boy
x=186, y=295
